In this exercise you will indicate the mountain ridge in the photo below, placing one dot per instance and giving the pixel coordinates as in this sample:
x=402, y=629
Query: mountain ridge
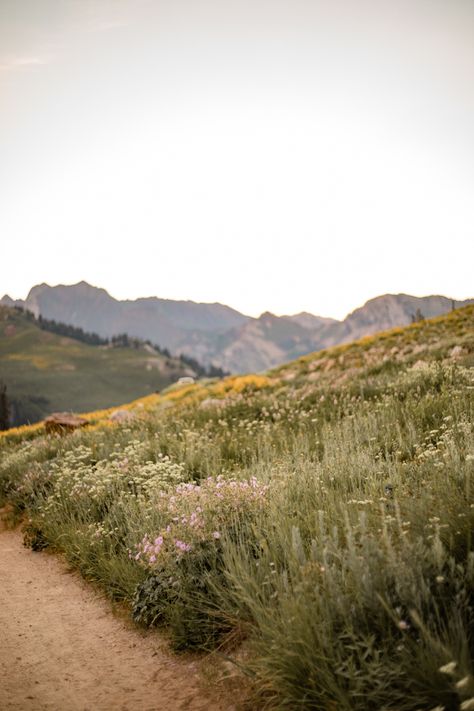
x=217, y=334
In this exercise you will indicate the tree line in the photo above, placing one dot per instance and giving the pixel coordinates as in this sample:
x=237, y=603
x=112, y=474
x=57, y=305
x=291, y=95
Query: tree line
x=4, y=407
x=121, y=340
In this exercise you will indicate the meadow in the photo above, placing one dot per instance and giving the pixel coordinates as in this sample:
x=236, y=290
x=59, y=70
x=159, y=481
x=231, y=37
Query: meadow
x=46, y=372
x=312, y=525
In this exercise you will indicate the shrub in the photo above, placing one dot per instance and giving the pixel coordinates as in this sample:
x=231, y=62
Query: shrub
x=184, y=559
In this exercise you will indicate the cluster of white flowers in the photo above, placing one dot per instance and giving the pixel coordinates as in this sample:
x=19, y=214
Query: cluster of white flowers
x=78, y=476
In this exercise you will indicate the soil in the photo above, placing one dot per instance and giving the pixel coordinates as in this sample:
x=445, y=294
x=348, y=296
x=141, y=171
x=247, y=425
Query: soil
x=63, y=649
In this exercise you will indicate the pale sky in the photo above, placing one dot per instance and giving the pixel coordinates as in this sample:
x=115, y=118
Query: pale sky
x=280, y=155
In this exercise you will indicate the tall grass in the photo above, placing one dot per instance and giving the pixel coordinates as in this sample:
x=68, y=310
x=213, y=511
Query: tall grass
x=364, y=585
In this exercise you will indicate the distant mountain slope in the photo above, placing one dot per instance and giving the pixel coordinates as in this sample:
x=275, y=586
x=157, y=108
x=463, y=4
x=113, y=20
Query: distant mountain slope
x=213, y=333
x=269, y=340
x=386, y=312
x=46, y=372
x=310, y=321
x=264, y=342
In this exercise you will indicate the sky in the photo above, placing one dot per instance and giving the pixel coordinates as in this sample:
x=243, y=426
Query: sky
x=280, y=155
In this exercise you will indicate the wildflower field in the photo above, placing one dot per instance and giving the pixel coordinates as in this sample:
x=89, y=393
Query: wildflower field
x=313, y=524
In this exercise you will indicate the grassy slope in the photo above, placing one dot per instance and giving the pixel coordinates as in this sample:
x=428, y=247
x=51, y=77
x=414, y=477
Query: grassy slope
x=350, y=598
x=71, y=375
x=389, y=353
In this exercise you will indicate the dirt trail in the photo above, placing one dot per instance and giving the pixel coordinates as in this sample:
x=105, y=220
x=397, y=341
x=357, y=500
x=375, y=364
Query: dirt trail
x=62, y=649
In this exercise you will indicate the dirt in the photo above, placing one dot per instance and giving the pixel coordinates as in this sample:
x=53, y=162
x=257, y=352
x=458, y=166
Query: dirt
x=63, y=649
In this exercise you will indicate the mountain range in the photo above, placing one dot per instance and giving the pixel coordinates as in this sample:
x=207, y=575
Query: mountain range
x=217, y=334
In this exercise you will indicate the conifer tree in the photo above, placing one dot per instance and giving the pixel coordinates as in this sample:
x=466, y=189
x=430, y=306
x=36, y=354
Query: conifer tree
x=4, y=408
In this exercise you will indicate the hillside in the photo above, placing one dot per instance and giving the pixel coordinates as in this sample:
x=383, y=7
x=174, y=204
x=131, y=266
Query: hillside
x=448, y=339
x=314, y=524
x=45, y=372
x=216, y=334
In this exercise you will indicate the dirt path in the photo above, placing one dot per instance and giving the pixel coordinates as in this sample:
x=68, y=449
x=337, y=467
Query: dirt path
x=62, y=649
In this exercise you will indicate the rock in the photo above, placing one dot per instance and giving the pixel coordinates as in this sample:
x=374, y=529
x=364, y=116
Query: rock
x=63, y=422
x=121, y=416
x=186, y=380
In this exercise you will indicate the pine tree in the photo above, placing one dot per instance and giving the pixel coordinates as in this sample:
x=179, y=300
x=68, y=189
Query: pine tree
x=4, y=408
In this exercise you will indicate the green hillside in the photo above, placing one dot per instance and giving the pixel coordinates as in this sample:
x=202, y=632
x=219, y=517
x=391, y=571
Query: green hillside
x=314, y=525
x=45, y=372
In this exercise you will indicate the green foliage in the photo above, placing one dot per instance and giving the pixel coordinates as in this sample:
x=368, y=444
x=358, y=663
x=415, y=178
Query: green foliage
x=151, y=599
x=182, y=595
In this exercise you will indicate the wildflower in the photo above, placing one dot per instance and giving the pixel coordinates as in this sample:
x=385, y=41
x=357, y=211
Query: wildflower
x=449, y=668
x=216, y=534
x=465, y=684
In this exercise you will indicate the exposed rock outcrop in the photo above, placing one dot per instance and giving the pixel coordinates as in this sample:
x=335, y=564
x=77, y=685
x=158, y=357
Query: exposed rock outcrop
x=63, y=422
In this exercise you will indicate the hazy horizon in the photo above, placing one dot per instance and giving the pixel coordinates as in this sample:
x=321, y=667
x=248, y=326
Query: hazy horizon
x=268, y=155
